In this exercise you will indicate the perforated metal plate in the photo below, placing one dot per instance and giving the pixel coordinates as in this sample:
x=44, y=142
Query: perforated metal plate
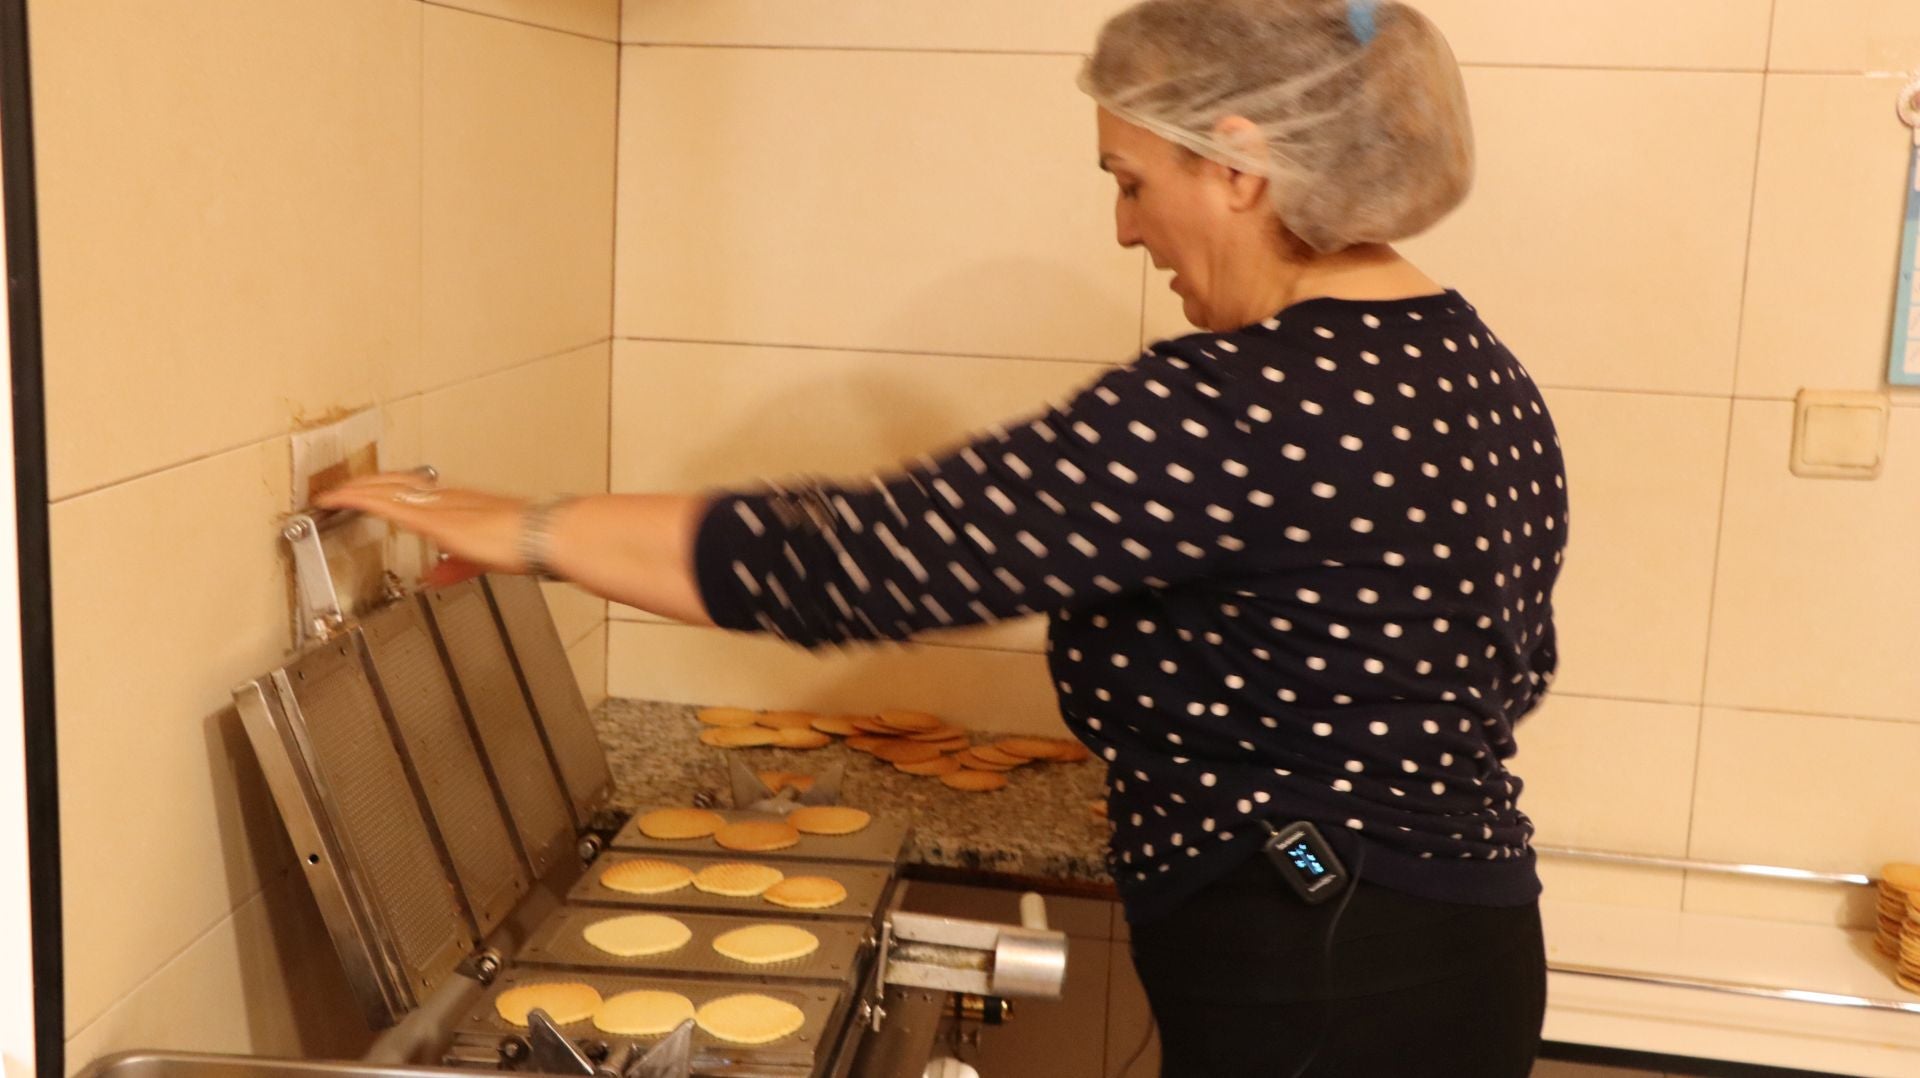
x=866, y=889
x=440, y=746
x=558, y=942
x=794, y=1055
x=548, y=676
x=514, y=752
x=881, y=842
x=362, y=794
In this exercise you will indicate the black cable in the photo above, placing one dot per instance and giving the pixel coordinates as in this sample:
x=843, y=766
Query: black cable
x=1326, y=1020
x=1137, y=1052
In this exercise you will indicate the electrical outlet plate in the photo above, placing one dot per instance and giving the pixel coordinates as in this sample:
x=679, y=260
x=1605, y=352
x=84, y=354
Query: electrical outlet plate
x=1839, y=434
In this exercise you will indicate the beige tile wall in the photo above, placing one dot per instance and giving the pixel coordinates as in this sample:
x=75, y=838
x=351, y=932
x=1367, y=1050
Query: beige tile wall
x=884, y=220
x=254, y=216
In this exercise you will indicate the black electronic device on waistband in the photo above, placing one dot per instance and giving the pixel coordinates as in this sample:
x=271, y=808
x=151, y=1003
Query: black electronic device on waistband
x=1300, y=854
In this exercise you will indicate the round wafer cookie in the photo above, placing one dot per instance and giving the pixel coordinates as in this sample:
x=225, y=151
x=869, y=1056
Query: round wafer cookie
x=565, y=1002
x=1911, y=984
x=645, y=876
x=974, y=781
x=788, y=720
x=756, y=836
x=995, y=756
x=750, y=1018
x=679, y=823
x=763, y=945
x=906, y=752
x=634, y=934
x=643, y=1013
x=727, y=716
x=807, y=893
x=829, y=819
x=938, y=733
x=867, y=743
x=737, y=879
x=868, y=725
x=1073, y=753
x=949, y=744
x=911, y=722
x=837, y=725
x=743, y=737
x=970, y=760
x=939, y=765
x=797, y=738
x=1031, y=748
x=775, y=781
x=1901, y=876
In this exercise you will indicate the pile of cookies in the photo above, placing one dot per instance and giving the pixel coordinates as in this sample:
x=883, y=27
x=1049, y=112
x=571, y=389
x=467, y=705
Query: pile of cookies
x=914, y=742
x=744, y=1018
x=1899, y=936
x=738, y=728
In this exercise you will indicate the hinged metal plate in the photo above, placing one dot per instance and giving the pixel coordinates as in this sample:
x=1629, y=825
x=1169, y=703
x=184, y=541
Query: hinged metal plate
x=461, y=799
x=514, y=752
x=547, y=676
x=340, y=779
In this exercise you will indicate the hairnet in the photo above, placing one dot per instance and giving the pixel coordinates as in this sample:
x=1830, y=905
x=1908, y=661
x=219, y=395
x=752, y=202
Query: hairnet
x=1364, y=133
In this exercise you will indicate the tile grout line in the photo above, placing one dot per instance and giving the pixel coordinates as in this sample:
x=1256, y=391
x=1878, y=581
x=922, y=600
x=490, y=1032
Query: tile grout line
x=1073, y=54
x=613, y=312
x=266, y=439
x=867, y=350
x=442, y=5
x=1905, y=400
x=1726, y=460
x=1701, y=705
x=177, y=955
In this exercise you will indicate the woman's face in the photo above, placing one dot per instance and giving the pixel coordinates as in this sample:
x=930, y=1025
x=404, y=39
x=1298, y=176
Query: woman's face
x=1176, y=204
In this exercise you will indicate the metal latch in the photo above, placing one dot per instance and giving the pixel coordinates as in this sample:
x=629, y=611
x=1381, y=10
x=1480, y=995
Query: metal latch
x=551, y=1052
x=319, y=615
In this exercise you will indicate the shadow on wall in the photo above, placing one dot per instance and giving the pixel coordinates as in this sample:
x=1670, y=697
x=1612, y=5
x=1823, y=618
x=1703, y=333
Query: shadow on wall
x=295, y=994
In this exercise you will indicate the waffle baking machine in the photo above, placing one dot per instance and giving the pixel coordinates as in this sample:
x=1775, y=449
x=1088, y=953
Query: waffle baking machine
x=446, y=795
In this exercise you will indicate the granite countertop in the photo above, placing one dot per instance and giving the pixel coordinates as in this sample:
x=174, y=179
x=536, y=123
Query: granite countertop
x=1038, y=828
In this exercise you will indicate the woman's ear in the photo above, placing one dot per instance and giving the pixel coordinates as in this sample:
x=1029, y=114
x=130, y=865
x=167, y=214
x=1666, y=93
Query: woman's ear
x=1241, y=137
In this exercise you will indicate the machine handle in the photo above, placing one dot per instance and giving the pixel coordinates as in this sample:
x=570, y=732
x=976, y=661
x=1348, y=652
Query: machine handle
x=1033, y=911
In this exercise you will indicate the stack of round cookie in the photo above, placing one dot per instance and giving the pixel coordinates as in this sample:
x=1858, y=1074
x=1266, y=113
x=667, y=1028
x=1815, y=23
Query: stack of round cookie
x=1899, y=935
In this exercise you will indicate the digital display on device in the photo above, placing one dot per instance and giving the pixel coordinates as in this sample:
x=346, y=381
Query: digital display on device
x=1306, y=862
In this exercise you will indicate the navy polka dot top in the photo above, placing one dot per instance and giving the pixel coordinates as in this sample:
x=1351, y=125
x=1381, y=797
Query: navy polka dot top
x=1303, y=570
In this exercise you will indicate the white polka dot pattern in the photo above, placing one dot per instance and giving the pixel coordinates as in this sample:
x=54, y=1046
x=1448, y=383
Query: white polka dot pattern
x=1302, y=570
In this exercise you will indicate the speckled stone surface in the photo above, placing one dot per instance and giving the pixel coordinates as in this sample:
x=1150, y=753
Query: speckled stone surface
x=1039, y=826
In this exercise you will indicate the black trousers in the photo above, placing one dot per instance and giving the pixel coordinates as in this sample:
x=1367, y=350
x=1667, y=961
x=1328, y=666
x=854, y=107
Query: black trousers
x=1239, y=986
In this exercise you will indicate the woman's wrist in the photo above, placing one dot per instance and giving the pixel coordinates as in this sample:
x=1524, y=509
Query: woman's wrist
x=533, y=545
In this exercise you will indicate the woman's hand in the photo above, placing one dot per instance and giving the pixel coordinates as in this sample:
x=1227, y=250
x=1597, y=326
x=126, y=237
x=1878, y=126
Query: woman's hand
x=632, y=548
x=471, y=525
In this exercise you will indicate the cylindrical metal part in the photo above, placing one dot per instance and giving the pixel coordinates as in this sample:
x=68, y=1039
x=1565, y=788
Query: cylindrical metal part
x=1030, y=963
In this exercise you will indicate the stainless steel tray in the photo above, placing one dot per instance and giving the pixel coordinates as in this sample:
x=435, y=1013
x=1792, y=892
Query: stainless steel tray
x=882, y=842
x=558, y=942
x=866, y=888
x=796, y=1054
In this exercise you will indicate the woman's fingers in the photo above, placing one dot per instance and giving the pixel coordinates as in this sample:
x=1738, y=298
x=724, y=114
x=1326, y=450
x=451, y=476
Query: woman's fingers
x=470, y=524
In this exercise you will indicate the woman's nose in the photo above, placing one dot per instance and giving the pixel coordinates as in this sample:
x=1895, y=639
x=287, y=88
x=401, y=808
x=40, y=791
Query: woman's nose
x=1124, y=228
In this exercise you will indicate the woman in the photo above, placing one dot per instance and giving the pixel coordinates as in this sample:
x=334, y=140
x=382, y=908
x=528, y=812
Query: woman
x=1299, y=566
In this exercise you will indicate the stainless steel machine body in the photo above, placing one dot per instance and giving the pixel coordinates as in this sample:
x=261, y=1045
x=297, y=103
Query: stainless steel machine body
x=438, y=773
